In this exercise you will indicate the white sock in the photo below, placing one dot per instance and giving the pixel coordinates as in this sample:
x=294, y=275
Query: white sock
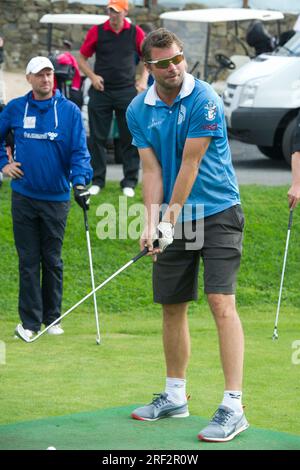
x=175, y=388
x=233, y=399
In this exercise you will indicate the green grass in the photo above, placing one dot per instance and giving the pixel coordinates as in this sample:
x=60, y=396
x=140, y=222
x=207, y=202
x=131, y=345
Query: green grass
x=69, y=374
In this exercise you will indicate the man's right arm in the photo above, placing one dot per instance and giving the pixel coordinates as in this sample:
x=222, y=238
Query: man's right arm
x=152, y=195
x=4, y=128
x=97, y=80
x=88, y=49
x=8, y=168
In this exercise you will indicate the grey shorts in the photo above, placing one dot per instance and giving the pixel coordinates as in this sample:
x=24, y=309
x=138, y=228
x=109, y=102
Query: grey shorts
x=175, y=273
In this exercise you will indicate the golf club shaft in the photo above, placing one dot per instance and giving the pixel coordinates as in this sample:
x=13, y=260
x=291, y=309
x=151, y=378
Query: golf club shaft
x=133, y=260
x=92, y=274
x=283, y=268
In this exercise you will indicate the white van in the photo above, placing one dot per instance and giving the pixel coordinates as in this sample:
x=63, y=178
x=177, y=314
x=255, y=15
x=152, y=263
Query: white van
x=262, y=100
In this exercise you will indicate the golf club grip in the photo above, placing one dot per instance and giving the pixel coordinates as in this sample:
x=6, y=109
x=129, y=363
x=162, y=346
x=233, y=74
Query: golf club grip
x=86, y=222
x=290, y=219
x=140, y=255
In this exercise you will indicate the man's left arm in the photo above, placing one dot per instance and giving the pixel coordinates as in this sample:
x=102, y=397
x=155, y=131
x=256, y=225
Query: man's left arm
x=193, y=152
x=294, y=191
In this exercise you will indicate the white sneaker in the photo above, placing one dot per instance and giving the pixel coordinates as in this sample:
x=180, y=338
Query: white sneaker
x=128, y=192
x=94, y=190
x=55, y=330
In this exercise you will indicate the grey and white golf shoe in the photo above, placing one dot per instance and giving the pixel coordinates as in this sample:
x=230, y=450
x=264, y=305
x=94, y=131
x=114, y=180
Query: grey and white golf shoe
x=224, y=425
x=160, y=407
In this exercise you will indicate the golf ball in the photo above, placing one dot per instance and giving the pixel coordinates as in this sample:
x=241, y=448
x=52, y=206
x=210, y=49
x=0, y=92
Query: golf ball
x=51, y=448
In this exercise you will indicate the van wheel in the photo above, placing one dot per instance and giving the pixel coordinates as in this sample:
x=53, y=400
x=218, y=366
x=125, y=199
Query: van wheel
x=288, y=140
x=274, y=153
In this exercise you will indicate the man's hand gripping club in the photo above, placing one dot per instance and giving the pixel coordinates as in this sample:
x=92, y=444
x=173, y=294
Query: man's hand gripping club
x=158, y=239
x=82, y=196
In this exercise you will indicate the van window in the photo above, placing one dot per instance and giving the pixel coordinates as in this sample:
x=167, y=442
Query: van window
x=291, y=47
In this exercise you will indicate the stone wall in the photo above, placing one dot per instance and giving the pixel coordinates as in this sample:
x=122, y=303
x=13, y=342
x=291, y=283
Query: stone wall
x=25, y=36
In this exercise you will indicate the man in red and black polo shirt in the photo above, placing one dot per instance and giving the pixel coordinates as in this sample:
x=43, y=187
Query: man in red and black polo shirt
x=116, y=44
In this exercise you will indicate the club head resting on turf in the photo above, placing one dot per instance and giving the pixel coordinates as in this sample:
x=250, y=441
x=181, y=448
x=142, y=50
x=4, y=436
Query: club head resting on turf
x=275, y=334
x=20, y=332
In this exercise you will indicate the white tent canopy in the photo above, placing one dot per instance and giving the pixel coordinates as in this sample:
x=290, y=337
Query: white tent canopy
x=288, y=6
x=214, y=15
x=73, y=18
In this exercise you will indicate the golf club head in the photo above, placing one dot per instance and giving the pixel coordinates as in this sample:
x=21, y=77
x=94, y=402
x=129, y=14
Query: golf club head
x=20, y=332
x=275, y=334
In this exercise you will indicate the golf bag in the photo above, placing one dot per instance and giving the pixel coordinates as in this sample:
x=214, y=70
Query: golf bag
x=67, y=74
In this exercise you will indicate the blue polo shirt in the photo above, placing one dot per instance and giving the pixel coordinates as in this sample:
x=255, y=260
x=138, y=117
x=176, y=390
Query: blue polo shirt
x=196, y=112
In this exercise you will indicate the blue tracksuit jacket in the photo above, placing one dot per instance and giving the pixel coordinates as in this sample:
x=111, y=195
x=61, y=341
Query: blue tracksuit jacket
x=50, y=144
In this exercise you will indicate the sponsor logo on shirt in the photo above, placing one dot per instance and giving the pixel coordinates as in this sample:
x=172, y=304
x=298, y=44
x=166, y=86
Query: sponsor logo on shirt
x=44, y=136
x=210, y=110
x=210, y=127
x=181, y=114
x=52, y=135
x=155, y=123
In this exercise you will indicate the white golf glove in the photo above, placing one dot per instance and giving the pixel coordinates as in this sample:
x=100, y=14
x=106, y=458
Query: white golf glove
x=165, y=235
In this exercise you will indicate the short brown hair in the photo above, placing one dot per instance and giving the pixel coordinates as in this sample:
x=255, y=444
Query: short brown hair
x=161, y=38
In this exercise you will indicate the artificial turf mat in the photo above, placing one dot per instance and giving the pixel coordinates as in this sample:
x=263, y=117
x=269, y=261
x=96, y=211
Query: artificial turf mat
x=114, y=429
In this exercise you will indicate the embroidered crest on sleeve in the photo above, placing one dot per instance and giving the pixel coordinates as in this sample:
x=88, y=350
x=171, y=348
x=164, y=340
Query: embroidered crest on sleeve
x=210, y=110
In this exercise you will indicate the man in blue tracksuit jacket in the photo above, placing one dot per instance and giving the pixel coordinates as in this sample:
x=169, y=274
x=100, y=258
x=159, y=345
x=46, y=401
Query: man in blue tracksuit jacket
x=50, y=152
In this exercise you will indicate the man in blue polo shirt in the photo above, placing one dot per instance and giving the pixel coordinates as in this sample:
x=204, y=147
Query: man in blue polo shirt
x=179, y=128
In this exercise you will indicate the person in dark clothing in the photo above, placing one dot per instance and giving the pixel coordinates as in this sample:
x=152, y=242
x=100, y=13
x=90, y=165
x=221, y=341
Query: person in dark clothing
x=115, y=44
x=50, y=153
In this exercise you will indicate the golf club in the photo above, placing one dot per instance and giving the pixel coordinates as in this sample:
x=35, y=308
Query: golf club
x=20, y=332
x=88, y=240
x=275, y=332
